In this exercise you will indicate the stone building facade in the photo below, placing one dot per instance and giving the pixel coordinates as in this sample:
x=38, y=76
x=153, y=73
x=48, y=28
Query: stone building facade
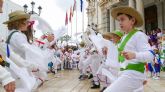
x=152, y=11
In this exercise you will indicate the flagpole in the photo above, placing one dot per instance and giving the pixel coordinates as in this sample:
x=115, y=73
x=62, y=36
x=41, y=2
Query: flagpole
x=71, y=29
x=67, y=30
x=67, y=39
x=76, y=21
x=83, y=18
x=67, y=22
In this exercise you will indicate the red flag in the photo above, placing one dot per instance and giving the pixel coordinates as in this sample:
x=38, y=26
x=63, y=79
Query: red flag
x=66, y=19
x=70, y=17
x=74, y=7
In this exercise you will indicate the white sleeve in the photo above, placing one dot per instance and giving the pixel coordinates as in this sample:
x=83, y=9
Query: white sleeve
x=18, y=40
x=143, y=53
x=18, y=60
x=5, y=76
x=46, y=45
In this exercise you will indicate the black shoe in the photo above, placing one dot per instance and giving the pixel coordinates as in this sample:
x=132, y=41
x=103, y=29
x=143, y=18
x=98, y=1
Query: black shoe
x=80, y=76
x=103, y=89
x=90, y=76
x=84, y=77
x=53, y=72
x=95, y=86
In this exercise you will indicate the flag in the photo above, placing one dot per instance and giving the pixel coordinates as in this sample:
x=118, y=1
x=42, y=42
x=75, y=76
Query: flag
x=66, y=19
x=81, y=5
x=70, y=17
x=74, y=7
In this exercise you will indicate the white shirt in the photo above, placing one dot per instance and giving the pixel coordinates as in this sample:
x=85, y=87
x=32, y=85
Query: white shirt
x=5, y=76
x=18, y=39
x=75, y=57
x=138, y=44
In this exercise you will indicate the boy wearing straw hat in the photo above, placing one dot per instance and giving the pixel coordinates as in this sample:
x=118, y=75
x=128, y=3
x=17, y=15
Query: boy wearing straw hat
x=5, y=76
x=134, y=51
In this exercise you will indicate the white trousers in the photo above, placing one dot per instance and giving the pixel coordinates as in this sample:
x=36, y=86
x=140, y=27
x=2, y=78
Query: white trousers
x=129, y=81
x=86, y=64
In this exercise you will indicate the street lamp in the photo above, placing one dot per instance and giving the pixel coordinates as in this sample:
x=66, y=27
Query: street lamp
x=32, y=11
x=39, y=10
x=32, y=3
x=25, y=7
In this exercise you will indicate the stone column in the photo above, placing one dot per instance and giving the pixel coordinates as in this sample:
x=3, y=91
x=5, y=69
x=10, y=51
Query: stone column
x=131, y=3
x=140, y=9
x=112, y=22
x=108, y=20
x=103, y=26
x=160, y=16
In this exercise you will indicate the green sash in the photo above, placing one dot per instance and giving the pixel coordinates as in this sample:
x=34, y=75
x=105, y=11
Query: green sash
x=122, y=45
x=137, y=67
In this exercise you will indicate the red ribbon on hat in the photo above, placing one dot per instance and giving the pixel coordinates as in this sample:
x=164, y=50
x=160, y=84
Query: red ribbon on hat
x=43, y=36
x=31, y=23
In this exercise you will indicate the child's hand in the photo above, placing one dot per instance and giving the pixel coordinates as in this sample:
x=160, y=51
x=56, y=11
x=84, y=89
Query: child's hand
x=10, y=87
x=50, y=37
x=105, y=50
x=129, y=55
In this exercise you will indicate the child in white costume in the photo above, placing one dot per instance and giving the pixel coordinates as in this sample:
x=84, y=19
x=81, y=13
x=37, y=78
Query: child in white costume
x=110, y=57
x=51, y=47
x=55, y=60
x=6, y=79
x=85, y=60
x=75, y=58
x=82, y=58
x=163, y=49
x=96, y=60
x=134, y=51
x=17, y=41
x=8, y=82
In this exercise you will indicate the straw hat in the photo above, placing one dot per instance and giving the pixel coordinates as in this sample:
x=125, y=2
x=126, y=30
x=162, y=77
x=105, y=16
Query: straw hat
x=17, y=15
x=130, y=11
x=109, y=35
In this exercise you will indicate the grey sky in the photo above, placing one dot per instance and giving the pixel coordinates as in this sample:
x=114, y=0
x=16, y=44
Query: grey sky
x=54, y=12
x=66, y=4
